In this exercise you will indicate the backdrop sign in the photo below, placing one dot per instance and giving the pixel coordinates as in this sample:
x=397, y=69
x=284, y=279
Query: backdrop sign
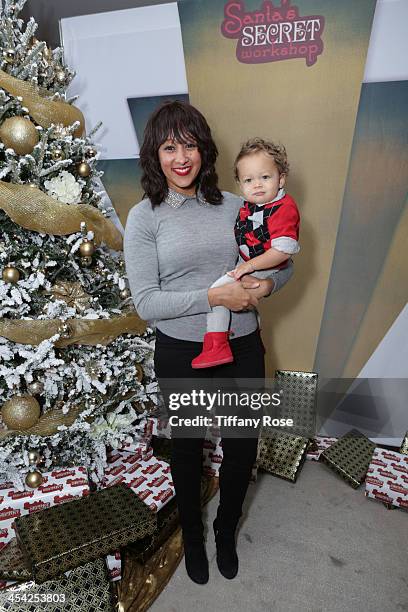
x=273, y=33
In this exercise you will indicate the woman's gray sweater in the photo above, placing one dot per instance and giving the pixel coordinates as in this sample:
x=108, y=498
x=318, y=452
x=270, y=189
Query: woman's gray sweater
x=173, y=255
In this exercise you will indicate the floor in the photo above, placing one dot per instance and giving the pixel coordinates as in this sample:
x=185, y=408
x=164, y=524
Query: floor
x=314, y=546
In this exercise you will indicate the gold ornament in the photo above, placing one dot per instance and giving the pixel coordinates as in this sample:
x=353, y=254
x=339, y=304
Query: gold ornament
x=70, y=293
x=9, y=55
x=65, y=331
x=84, y=169
x=34, y=479
x=35, y=388
x=87, y=248
x=21, y=412
x=124, y=294
x=48, y=423
x=11, y=275
x=86, y=261
x=20, y=134
x=57, y=154
x=33, y=457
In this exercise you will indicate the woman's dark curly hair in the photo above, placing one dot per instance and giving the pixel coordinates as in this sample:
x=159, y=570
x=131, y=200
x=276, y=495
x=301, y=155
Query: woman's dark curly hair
x=181, y=122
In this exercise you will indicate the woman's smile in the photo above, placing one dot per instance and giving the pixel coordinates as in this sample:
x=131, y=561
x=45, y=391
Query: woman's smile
x=182, y=171
x=181, y=164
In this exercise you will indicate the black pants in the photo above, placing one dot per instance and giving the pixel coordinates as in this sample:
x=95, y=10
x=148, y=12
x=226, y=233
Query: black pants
x=173, y=361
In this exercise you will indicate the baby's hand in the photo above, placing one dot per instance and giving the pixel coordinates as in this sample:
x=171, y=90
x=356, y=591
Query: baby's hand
x=244, y=268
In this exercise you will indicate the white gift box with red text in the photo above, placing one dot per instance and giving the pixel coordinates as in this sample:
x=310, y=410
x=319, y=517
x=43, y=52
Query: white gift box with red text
x=212, y=452
x=149, y=478
x=143, y=444
x=387, y=478
x=322, y=444
x=114, y=564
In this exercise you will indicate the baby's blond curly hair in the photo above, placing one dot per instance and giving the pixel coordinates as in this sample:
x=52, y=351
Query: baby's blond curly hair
x=254, y=145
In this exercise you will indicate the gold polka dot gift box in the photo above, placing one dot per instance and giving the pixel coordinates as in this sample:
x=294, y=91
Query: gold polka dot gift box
x=281, y=454
x=84, y=589
x=350, y=457
x=64, y=537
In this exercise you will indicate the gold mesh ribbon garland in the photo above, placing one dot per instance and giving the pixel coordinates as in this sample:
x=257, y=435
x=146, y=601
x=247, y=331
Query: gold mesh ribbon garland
x=35, y=210
x=44, y=111
x=47, y=425
x=82, y=331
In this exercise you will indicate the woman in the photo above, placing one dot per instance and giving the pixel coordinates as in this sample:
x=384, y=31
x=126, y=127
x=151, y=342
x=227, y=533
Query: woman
x=177, y=242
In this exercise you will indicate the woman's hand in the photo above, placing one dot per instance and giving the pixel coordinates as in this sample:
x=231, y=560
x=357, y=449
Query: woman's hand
x=234, y=296
x=258, y=287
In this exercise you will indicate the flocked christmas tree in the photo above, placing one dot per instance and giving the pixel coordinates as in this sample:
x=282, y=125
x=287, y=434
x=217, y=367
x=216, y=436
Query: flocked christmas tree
x=76, y=369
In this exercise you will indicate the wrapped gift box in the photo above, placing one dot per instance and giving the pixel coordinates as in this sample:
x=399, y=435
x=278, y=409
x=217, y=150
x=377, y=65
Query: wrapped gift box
x=160, y=427
x=350, y=457
x=84, y=589
x=167, y=522
x=12, y=563
x=59, y=486
x=281, y=454
x=13, y=566
x=298, y=393
x=63, y=537
x=387, y=478
x=143, y=444
x=404, y=445
x=212, y=452
x=114, y=564
x=150, y=479
x=321, y=443
x=122, y=460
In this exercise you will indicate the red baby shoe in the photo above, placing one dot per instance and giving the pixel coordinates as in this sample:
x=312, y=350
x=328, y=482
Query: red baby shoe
x=216, y=351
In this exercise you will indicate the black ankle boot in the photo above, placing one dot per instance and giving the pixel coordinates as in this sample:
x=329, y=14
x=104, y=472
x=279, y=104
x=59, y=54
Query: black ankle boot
x=227, y=558
x=196, y=560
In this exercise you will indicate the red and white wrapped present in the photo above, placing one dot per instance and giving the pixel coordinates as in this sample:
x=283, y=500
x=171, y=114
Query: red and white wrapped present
x=114, y=564
x=137, y=451
x=322, y=444
x=387, y=478
x=4, y=584
x=212, y=452
x=143, y=444
x=59, y=486
x=160, y=427
x=149, y=478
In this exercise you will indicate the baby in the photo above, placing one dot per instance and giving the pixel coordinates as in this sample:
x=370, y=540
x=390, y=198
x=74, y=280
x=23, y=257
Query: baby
x=266, y=231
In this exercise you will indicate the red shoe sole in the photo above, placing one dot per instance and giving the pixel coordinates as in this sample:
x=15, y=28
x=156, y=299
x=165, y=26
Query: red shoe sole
x=212, y=363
